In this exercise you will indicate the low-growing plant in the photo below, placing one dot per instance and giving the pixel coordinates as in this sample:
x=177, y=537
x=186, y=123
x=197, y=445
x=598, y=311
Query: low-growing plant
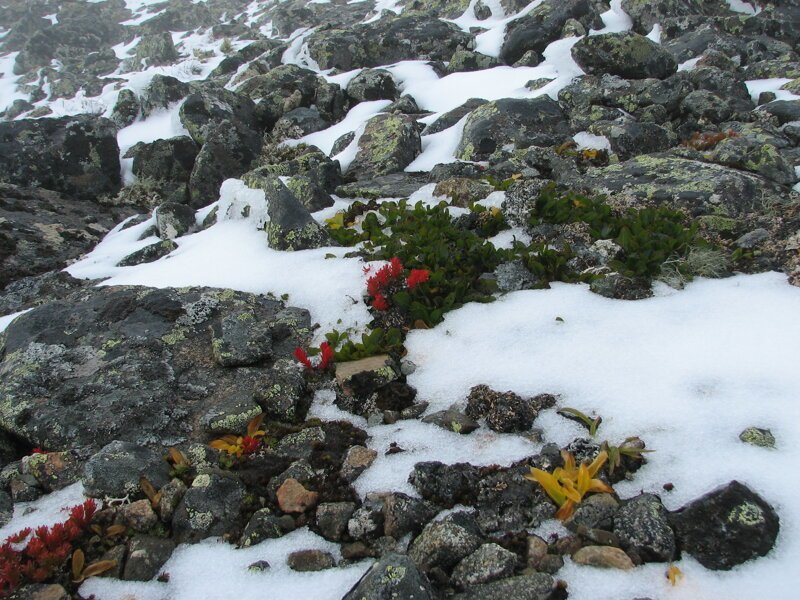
x=628, y=448
x=502, y=185
x=374, y=342
x=242, y=445
x=81, y=571
x=180, y=465
x=573, y=414
x=567, y=485
x=707, y=140
x=326, y=357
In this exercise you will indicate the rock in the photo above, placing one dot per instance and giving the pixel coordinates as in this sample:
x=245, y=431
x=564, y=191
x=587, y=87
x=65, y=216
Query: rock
x=393, y=576
x=443, y=544
x=54, y=470
x=465, y=61
x=211, y=507
x=166, y=165
x=372, y=84
x=446, y=485
x=41, y=591
x=228, y=149
x=366, y=523
x=726, y=527
x=153, y=50
x=785, y=111
x=76, y=155
x=297, y=123
x=309, y=192
x=300, y=470
x=265, y=525
x=301, y=160
x=161, y=92
x=332, y=519
x=139, y=516
x=647, y=14
x=294, y=498
x=386, y=41
x=488, y=563
x=174, y=220
x=115, y=470
x=462, y=191
x=310, y=560
x=259, y=566
x=403, y=514
x=706, y=105
x=281, y=90
x=394, y=185
x=24, y=488
x=620, y=287
x=171, y=495
x=452, y=117
x=29, y=292
x=754, y=155
x=630, y=138
x=537, y=586
x=624, y=53
x=239, y=339
x=536, y=551
x=208, y=107
x=290, y=227
x=504, y=412
x=642, y=526
x=149, y=254
x=126, y=110
x=155, y=333
x=541, y=26
x=513, y=276
x=521, y=122
x=756, y=436
x=596, y=511
x=361, y=381
x=452, y=420
x=357, y=460
x=506, y=501
x=146, y=556
x=604, y=557
x=6, y=508
x=300, y=445
x=406, y=105
x=388, y=145
x=481, y=11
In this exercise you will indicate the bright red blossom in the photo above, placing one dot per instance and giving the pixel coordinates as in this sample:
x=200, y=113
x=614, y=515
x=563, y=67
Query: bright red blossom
x=416, y=277
x=326, y=357
x=380, y=302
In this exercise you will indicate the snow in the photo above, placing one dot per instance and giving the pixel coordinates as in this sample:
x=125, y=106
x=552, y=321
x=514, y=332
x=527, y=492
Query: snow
x=584, y=139
x=438, y=148
x=757, y=86
x=358, y=116
x=47, y=510
x=615, y=19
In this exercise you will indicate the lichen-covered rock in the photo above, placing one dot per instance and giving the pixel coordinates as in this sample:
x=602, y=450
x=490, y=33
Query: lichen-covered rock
x=642, y=525
x=394, y=185
x=646, y=13
x=726, y=527
x=452, y=117
x=145, y=557
x=126, y=109
x=386, y=41
x=755, y=436
x=210, y=507
x=443, y=544
x=462, y=191
x=629, y=138
x=403, y=514
x=465, y=61
x=174, y=220
x=541, y=26
x=240, y=339
x=166, y=165
x=488, y=563
x=388, y=145
x=372, y=84
x=153, y=50
x=536, y=586
x=112, y=373
x=76, y=155
x=446, y=485
x=115, y=470
x=298, y=122
x=626, y=54
x=504, y=412
x=161, y=92
x=209, y=106
x=506, y=501
x=149, y=254
x=518, y=122
x=290, y=225
x=281, y=90
x=265, y=525
x=393, y=576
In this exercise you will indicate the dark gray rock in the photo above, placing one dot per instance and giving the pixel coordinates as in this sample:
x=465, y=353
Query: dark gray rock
x=211, y=106
x=629, y=138
x=302, y=160
x=706, y=105
x=29, y=292
x=6, y=508
x=310, y=560
x=153, y=50
x=291, y=226
x=332, y=519
x=394, y=185
x=626, y=54
x=174, y=220
x=403, y=514
x=239, y=339
x=538, y=586
x=452, y=419
x=621, y=287
x=393, y=576
x=386, y=41
x=297, y=123
x=372, y=84
x=77, y=155
x=507, y=501
x=210, y=507
x=161, y=92
x=504, y=412
x=388, y=145
x=488, y=563
x=647, y=14
x=726, y=527
x=513, y=276
x=532, y=122
x=228, y=150
x=309, y=192
x=116, y=469
x=113, y=373
x=446, y=485
x=541, y=26
x=465, y=61
x=749, y=153
x=405, y=104
x=126, y=110
x=282, y=90
x=784, y=110
x=166, y=165
x=452, y=117
x=595, y=512
x=642, y=526
x=149, y=254
x=265, y=525
x=146, y=556
x=443, y=544
x=43, y=231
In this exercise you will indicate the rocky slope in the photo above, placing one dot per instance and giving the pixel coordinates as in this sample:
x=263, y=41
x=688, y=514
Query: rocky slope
x=618, y=145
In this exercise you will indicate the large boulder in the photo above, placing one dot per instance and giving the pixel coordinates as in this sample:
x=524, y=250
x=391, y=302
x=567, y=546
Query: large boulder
x=76, y=155
x=646, y=13
x=626, y=54
x=541, y=26
x=166, y=165
x=388, y=145
x=726, y=527
x=210, y=106
x=138, y=364
x=386, y=41
x=41, y=230
x=281, y=90
x=522, y=122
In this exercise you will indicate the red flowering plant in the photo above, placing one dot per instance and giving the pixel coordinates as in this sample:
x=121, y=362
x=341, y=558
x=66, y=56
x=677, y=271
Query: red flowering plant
x=390, y=280
x=35, y=556
x=320, y=365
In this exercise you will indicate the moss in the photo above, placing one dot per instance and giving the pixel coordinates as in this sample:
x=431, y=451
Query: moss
x=718, y=223
x=225, y=295
x=176, y=335
x=393, y=574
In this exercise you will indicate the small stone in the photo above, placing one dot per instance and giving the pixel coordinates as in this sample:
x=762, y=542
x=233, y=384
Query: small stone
x=551, y=563
x=537, y=549
x=753, y=239
x=488, y=563
x=393, y=576
x=264, y=525
x=403, y=514
x=310, y=560
x=174, y=220
x=366, y=523
x=332, y=519
x=146, y=556
x=452, y=420
x=259, y=566
x=445, y=543
x=50, y=592
x=357, y=551
x=171, y=495
x=642, y=525
x=536, y=586
x=758, y=437
x=139, y=515
x=294, y=498
x=356, y=461
x=604, y=557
